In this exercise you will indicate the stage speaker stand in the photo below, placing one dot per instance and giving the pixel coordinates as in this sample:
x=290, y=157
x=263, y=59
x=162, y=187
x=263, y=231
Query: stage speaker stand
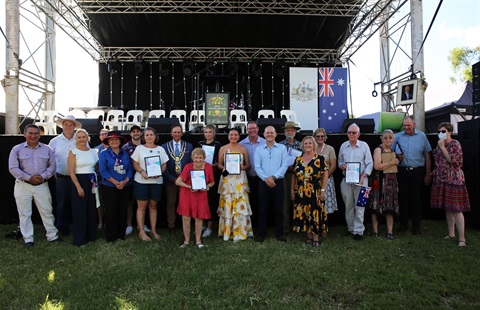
x=476, y=89
x=469, y=138
x=163, y=124
x=367, y=125
x=277, y=123
x=91, y=125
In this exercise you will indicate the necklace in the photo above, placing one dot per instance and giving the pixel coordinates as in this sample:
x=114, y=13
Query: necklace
x=178, y=159
x=321, y=150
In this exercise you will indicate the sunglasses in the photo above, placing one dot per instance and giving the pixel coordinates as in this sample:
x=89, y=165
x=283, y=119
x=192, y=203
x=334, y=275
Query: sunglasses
x=319, y=136
x=442, y=131
x=351, y=132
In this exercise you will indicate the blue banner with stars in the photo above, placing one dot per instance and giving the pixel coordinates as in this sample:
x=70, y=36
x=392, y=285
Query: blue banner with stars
x=332, y=98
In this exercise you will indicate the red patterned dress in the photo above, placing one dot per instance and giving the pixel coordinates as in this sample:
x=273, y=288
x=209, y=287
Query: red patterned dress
x=448, y=187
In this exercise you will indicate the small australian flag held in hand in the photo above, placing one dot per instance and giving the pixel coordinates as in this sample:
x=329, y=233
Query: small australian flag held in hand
x=363, y=196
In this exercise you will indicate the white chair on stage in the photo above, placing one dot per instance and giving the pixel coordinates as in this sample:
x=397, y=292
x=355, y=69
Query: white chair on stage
x=181, y=115
x=97, y=114
x=48, y=122
x=133, y=117
x=114, y=120
x=290, y=115
x=238, y=118
x=197, y=119
x=155, y=114
x=266, y=114
x=77, y=113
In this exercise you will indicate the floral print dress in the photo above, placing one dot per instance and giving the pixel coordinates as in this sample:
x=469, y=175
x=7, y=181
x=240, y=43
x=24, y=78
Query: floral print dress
x=309, y=212
x=234, y=209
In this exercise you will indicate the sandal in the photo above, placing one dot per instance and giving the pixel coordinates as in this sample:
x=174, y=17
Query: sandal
x=390, y=236
x=462, y=243
x=374, y=234
x=184, y=245
x=448, y=237
x=315, y=243
x=155, y=235
x=143, y=236
x=200, y=245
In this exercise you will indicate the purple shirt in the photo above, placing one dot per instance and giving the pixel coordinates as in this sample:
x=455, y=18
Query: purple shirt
x=25, y=161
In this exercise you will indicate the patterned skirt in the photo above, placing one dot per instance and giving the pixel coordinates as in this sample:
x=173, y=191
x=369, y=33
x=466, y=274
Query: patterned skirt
x=453, y=198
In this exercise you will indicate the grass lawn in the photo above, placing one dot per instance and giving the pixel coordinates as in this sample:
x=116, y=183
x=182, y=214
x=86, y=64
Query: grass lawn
x=410, y=272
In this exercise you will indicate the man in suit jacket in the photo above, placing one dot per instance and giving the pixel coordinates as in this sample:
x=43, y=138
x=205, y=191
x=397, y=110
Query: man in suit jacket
x=407, y=92
x=179, y=153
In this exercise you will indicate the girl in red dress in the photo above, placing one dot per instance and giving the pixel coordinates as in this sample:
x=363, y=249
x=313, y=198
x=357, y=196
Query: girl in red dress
x=194, y=203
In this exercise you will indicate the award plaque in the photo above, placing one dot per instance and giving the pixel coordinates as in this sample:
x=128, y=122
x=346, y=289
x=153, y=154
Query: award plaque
x=153, y=166
x=352, y=173
x=232, y=163
x=198, y=179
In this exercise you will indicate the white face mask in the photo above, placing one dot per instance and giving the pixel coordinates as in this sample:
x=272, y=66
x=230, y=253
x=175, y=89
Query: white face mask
x=442, y=136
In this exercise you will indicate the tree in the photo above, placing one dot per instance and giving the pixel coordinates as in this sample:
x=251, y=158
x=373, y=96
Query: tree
x=462, y=59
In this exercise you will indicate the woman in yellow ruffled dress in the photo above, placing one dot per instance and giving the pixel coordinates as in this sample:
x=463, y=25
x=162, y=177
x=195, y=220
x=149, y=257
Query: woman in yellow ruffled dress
x=234, y=207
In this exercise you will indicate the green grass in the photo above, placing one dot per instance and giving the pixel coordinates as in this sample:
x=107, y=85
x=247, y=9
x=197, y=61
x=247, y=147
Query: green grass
x=411, y=272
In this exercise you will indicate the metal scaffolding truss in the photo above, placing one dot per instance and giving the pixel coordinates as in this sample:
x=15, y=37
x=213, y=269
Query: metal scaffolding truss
x=72, y=19
x=345, y=8
x=372, y=16
x=204, y=54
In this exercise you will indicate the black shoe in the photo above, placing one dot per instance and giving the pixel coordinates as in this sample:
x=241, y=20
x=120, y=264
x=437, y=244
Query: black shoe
x=358, y=237
x=259, y=239
x=282, y=239
x=28, y=245
x=348, y=234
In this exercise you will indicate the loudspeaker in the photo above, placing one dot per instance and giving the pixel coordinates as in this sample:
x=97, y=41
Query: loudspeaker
x=163, y=125
x=91, y=125
x=277, y=123
x=469, y=138
x=367, y=125
x=476, y=83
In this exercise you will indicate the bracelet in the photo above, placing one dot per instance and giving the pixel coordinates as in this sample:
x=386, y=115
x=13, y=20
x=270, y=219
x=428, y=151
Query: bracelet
x=323, y=190
x=141, y=171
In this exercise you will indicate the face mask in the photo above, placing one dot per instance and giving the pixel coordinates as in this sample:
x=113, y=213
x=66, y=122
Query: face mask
x=442, y=136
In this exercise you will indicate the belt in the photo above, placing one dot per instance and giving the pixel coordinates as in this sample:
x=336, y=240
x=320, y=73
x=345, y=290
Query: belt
x=410, y=168
x=62, y=176
x=31, y=183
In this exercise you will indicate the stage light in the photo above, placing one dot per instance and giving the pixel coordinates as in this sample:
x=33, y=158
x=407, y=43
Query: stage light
x=256, y=69
x=139, y=65
x=113, y=67
x=210, y=66
x=164, y=68
x=187, y=69
x=279, y=70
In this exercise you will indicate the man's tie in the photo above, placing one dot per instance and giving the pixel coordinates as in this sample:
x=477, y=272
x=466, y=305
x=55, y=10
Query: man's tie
x=177, y=150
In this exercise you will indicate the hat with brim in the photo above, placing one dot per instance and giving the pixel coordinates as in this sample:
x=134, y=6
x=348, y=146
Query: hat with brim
x=69, y=118
x=114, y=135
x=291, y=124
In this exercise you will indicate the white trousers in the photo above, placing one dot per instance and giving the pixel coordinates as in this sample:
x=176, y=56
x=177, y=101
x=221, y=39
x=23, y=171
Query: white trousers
x=353, y=214
x=24, y=193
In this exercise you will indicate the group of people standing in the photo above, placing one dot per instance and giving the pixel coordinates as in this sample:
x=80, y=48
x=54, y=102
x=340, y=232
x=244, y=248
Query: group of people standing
x=241, y=181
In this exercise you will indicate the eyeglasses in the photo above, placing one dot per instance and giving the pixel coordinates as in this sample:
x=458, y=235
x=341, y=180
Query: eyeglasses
x=104, y=134
x=442, y=131
x=351, y=132
x=319, y=136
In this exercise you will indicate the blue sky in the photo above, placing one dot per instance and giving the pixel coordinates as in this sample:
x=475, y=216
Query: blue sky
x=457, y=24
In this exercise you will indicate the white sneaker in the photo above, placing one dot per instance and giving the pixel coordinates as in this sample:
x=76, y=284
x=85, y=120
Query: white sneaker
x=144, y=228
x=129, y=230
x=207, y=233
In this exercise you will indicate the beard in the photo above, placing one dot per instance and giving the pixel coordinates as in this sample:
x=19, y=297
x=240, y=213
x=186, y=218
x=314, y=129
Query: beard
x=290, y=137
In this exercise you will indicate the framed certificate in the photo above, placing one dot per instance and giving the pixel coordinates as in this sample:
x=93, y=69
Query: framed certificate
x=387, y=157
x=232, y=163
x=198, y=179
x=209, y=152
x=352, y=173
x=153, y=166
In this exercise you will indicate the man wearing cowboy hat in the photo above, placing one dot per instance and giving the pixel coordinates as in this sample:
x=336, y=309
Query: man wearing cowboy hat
x=290, y=129
x=61, y=145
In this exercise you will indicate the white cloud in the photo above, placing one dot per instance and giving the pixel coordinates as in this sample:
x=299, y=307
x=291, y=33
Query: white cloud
x=466, y=36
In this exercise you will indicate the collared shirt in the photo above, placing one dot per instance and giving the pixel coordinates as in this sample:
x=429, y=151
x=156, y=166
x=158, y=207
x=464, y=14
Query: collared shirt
x=129, y=147
x=251, y=147
x=100, y=147
x=413, y=148
x=297, y=145
x=360, y=153
x=271, y=161
x=25, y=161
x=118, y=166
x=61, y=146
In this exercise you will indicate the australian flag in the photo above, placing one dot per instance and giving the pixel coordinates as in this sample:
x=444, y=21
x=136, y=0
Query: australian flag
x=332, y=98
x=363, y=196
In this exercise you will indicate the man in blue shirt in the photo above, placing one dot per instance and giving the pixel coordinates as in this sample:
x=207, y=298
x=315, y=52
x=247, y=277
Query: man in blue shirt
x=413, y=151
x=271, y=163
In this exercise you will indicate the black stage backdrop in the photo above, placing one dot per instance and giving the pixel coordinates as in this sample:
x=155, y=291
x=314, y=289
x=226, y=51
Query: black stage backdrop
x=8, y=212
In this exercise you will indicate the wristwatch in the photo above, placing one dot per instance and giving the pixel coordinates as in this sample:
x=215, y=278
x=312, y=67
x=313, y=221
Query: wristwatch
x=273, y=177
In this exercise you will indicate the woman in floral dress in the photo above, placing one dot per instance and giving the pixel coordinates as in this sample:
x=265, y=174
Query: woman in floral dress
x=448, y=187
x=308, y=191
x=234, y=207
